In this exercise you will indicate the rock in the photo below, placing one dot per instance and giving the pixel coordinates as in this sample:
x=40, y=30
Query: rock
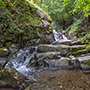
x=10, y=78
x=13, y=48
x=26, y=30
x=62, y=62
x=28, y=88
x=65, y=42
x=4, y=52
x=3, y=62
x=76, y=42
x=84, y=62
x=7, y=89
x=7, y=78
x=49, y=55
x=72, y=57
x=46, y=38
x=63, y=49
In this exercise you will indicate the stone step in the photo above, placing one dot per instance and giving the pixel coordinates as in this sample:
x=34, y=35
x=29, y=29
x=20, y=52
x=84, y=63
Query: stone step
x=63, y=49
x=49, y=55
x=85, y=62
x=65, y=42
x=70, y=62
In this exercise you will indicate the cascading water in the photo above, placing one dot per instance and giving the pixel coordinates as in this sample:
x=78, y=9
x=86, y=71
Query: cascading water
x=59, y=35
x=22, y=61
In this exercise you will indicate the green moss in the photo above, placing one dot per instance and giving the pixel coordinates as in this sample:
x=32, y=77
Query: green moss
x=7, y=44
x=20, y=22
x=1, y=49
x=88, y=62
x=76, y=49
x=6, y=75
x=79, y=52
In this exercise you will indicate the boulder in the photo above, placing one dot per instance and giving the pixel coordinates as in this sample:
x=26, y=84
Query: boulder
x=10, y=78
x=63, y=49
x=62, y=62
x=13, y=48
x=3, y=62
x=4, y=52
x=7, y=78
x=84, y=61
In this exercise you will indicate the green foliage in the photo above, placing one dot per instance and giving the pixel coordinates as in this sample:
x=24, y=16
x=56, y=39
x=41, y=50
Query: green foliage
x=80, y=5
x=58, y=12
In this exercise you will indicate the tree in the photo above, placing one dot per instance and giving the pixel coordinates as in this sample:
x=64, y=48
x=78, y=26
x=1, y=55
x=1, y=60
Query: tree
x=80, y=5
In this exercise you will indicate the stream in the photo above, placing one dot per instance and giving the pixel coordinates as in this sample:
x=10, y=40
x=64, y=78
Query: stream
x=43, y=74
x=22, y=61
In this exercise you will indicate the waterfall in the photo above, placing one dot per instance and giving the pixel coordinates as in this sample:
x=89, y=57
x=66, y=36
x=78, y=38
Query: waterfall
x=21, y=59
x=59, y=35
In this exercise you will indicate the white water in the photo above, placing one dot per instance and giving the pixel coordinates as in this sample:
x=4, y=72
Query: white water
x=21, y=60
x=24, y=57
x=59, y=35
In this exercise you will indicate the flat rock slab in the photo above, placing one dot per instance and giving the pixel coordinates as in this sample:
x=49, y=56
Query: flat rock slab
x=63, y=49
x=49, y=55
x=62, y=62
x=64, y=42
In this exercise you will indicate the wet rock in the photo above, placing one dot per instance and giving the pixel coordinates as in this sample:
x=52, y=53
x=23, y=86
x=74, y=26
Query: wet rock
x=3, y=62
x=13, y=48
x=65, y=42
x=4, y=52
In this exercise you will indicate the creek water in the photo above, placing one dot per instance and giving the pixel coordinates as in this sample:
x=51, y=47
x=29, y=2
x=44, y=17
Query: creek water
x=22, y=61
x=58, y=35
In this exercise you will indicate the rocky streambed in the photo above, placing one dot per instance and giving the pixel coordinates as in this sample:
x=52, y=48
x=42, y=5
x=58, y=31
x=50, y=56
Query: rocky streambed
x=62, y=65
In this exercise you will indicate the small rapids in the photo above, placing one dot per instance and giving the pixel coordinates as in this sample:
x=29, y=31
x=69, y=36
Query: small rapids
x=58, y=35
x=23, y=61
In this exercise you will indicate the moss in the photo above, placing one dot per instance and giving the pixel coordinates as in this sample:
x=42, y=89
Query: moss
x=75, y=49
x=20, y=22
x=7, y=44
x=88, y=62
x=6, y=77
x=2, y=49
x=78, y=52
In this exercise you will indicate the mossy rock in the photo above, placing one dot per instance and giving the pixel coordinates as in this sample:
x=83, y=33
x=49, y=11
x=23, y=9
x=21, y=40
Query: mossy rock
x=7, y=78
x=4, y=52
x=22, y=21
x=88, y=62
